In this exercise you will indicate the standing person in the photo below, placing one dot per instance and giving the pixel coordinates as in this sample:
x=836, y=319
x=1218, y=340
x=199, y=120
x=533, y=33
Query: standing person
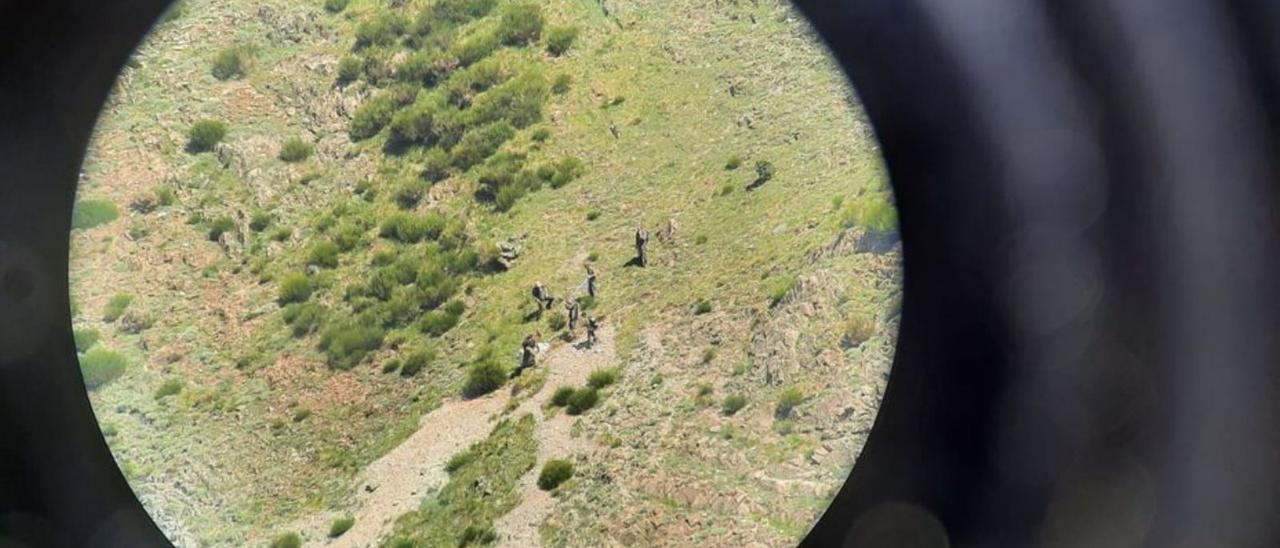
x=571, y=308
x=528, y=352
x=592, y=326
x=542, y=296
x=642, y=242
x=591, y=281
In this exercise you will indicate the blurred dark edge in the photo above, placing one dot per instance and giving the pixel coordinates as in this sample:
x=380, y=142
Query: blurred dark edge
x=1088, y=346
x=59, y=485
x=1061, y=379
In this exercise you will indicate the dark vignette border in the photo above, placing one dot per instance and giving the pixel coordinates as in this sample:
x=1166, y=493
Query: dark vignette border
x=1088, y=198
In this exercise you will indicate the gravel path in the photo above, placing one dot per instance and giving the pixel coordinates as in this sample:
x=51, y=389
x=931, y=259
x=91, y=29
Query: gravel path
x=568, y=365
x=397, y=482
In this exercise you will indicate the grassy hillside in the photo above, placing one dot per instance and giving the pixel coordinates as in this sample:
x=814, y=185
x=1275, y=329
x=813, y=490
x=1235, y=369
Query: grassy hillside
x=289, y=239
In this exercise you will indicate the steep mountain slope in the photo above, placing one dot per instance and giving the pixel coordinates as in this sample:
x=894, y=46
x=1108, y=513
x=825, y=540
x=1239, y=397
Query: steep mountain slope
x=297, y=311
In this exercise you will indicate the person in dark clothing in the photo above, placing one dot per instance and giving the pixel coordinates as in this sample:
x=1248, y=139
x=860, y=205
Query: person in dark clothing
x=542, y=296
x=591, y=281
x=571, y=308
x=642, y=242
x=592, y=326
x=528, y=352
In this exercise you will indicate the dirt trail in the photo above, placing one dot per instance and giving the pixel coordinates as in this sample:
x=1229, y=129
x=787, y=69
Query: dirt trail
x=567, y=365
x=397, y=482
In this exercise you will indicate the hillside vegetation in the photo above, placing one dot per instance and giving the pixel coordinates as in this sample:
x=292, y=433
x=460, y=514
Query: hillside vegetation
x=305, y=226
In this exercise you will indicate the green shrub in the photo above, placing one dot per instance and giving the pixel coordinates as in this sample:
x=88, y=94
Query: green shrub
x=220, y=226
x=295, y=288
x=483, y=377
x=554, y=473
x=380, y=30
x=704, y=390
x=116, y=307
x=702, y=307
x=778, y=288
x=733, y=162
x=474, y=48
x=371, y=117
x=459, y=460
x=582, y=400
x=90, y=213
x=281, y=234
x=560, y=38
x=520, y=24
x=303, y=318
x=295, y=150
x=872, y=212
x=507, y=197
x=593, y=215
x=335, y=6
x=165, y=196
x=417, y=361
x=566, y=170
x=708, y=355
x=586, y=302
x=601, y=378
x=100, y=366
x=732, y=404
x=480, y=143
x=435, y=165
x=540, y=135
x=301, y=415
x=787, y=402
x=561, y=84
x=287, y=540
x=377, y=68
x=409, y=192
x=341, y=526
x=858, y=328
x=348, y=236
x=560, y=397
x=85, y=339
x=349, y=68
x=168, y=388
x=324, y=254
x=204, y=135
x=259, y=221
x=391, y=366
x=518, y=101
x=475, y=534
x=415, y=123
x=407, y=228
x=228, y=64
x=346, y=344
x=437, y=322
